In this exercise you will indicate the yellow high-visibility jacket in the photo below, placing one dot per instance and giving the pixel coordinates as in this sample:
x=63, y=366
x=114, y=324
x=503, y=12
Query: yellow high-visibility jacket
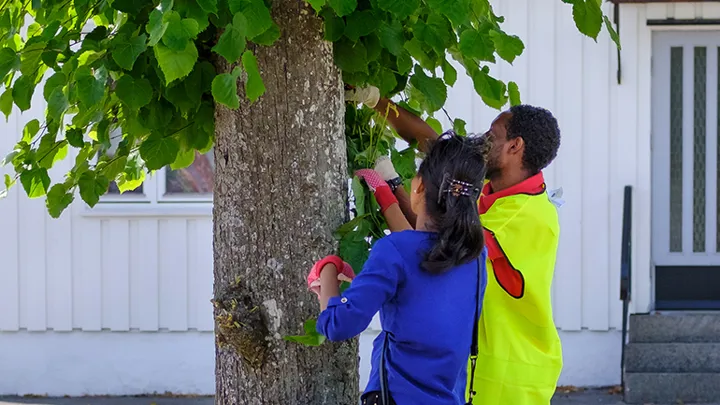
x=520, y=355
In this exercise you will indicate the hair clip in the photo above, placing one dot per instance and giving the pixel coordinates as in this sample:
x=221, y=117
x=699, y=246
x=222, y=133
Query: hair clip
x=457, y=188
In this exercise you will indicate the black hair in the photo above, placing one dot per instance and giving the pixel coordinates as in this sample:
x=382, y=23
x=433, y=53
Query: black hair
x=453, y=159
x=540, y=131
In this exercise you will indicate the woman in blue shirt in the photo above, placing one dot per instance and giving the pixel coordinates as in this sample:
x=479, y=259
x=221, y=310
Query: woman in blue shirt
x=427, y=283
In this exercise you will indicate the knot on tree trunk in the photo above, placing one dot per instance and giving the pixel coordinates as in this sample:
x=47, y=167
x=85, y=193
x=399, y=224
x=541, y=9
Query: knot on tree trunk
x=240, y=325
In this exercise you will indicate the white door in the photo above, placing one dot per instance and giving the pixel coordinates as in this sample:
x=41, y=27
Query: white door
x=686, y=245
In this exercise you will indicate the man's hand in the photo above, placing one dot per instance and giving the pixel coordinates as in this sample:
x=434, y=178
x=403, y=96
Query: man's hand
x=370, y=96
x=385, y=168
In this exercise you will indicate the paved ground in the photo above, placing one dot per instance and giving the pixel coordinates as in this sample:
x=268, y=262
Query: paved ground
x=590, y=397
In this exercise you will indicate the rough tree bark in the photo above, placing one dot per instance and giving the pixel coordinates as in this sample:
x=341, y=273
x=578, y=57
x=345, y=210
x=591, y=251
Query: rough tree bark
x=280, y=192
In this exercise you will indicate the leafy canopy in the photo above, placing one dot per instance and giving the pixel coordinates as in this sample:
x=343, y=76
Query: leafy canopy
x=130, y=85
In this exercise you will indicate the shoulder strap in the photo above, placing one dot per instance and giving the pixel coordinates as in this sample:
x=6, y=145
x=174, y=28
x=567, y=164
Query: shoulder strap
x=474, y=342
x=384, y=392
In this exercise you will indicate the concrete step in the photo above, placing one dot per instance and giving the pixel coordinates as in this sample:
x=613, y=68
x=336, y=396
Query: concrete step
x=675, y=328
x=672, y=388
x=672, y=358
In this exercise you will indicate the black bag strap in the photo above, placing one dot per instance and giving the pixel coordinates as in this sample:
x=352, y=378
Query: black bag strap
x=385, y=392
x=474, y=343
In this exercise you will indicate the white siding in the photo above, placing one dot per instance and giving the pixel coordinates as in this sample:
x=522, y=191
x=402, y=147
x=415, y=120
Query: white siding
x=94, y=272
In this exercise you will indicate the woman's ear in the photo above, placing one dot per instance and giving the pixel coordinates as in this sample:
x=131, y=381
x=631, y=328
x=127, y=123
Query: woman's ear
x=421, y=186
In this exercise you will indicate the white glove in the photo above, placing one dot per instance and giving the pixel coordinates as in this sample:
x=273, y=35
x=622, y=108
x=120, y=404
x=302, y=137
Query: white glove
x=385, y=168
x=555, y=197
x=370, y=96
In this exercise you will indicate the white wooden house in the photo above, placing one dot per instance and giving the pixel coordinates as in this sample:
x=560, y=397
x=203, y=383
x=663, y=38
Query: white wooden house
x=115, y=300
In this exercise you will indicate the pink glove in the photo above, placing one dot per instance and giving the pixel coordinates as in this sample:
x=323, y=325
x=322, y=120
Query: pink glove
x=383, y=193
x=345, y=272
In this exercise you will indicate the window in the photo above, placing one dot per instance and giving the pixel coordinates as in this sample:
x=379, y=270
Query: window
x=191, y=184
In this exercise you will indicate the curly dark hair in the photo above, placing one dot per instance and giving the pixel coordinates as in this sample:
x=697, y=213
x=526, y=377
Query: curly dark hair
x=539, y=129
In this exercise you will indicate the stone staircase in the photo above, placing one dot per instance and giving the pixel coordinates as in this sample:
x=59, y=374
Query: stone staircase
x=673, y=359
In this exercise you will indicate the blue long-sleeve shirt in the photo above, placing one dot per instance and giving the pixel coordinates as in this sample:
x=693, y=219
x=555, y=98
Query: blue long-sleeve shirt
x=428, y=319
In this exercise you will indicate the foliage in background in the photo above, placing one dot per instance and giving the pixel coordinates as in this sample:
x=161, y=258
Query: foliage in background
x=143, y=69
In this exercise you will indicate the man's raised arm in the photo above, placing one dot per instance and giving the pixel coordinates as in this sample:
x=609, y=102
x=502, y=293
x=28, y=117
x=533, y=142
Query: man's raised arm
x=408, y=125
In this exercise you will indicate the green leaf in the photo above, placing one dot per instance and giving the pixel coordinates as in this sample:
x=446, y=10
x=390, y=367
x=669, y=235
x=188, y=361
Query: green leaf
x=30, y=130
x=401, y=9
x=134, y=93
x=360, y=23
x=392, y=37
x=35, y=182
x=359, y=193
x=179, y=31
x=6, y=103
x=317, y=5
x=156, y=27
x=491, y=90
x=92, y=186
x=90, y=90
x=209, y=6
x=473, y=44
x=159, y=150
x=449, y=73
x=57, y=80
x=224, y=90
x=74, y=137
x=459, y=127
x=432, y=88
x=404, y=162
x=334, y=25
x=514, y=94
x=416, y=49
x=254, y=86
x=611, y=30
x=507, y=46
x=343, y=7
x=113, y=167
x=436, y=32
x=232, y=42
x=588, y=17
x=58, y=199
x=57, y=104
x=22, y=92
x=257, y=15
x=353, y=251
x=130, y=6
x=9, y=60
x=126, y=51
x=355, y=226
x=268, y=37
x=350, y=56
x=50, y=151
x=455, y=10
x=385, y=80
x=435, y=125
x=176, y=65
x=184, y=159
x=30, y=59
x=311, y=337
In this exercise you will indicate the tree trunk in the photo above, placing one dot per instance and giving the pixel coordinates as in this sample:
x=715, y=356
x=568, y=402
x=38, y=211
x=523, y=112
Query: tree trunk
x=280, y=192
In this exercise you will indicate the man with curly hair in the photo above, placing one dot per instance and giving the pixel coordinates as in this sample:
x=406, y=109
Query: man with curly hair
x=520, y=354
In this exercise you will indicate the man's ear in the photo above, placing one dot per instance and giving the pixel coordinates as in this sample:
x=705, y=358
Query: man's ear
x=517, y=145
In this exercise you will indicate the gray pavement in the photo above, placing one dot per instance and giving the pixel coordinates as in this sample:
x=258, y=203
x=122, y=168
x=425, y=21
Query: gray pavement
x=584, y=397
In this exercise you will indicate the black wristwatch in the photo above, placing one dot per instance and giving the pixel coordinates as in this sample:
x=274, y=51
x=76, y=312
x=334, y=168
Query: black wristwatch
x=394, y=183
